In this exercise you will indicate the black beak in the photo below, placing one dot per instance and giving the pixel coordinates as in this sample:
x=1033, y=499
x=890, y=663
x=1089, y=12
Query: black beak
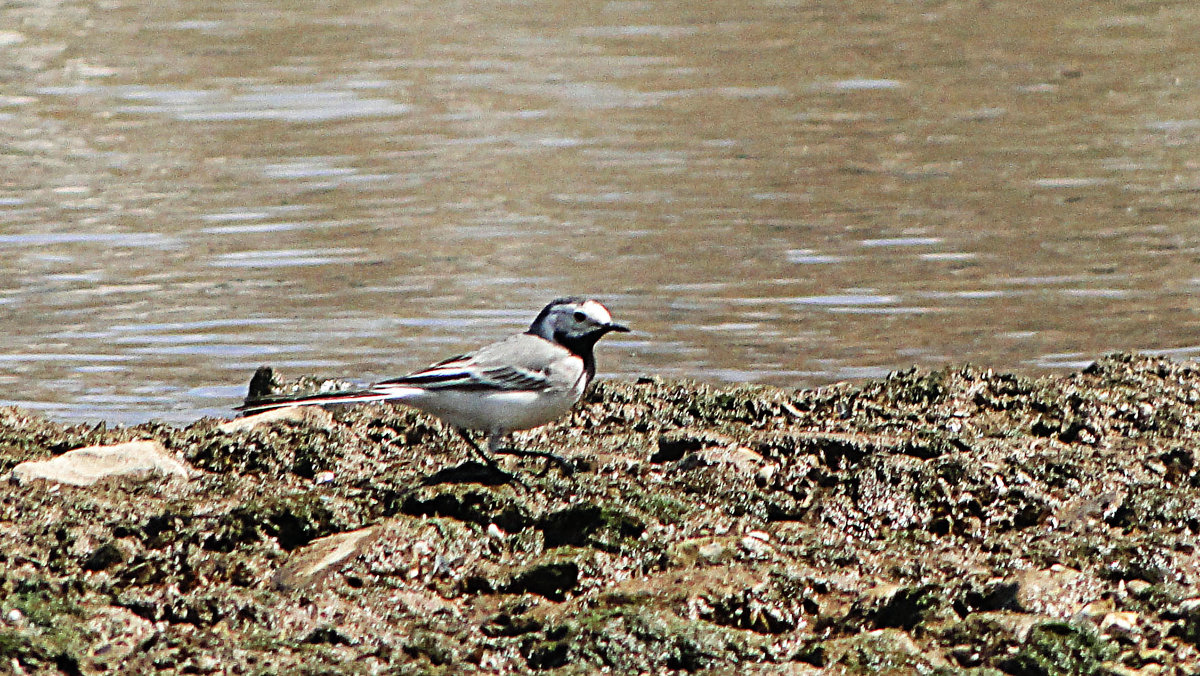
x=619, y=328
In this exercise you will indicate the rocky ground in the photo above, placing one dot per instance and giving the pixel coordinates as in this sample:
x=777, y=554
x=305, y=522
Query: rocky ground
x=960, y=521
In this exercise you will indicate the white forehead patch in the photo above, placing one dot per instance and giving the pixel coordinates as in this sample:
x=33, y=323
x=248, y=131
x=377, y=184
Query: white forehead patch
x=597, y=312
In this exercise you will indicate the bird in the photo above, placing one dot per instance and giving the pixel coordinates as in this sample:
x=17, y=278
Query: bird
x=519, y=383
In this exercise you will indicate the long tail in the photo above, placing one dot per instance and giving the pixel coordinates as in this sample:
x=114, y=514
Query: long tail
x=268, y=403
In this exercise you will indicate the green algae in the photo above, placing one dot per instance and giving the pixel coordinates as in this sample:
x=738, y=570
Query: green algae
x=1059, y=648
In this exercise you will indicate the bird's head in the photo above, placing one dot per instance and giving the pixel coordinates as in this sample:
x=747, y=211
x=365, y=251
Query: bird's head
x=574, y=322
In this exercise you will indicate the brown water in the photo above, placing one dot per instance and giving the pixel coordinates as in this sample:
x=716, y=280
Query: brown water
x=774, y=191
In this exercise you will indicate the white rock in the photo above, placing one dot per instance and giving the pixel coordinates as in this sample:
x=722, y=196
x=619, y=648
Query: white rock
x=86, y=466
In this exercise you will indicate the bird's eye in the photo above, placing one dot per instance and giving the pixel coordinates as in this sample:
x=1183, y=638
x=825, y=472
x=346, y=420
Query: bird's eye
x=579, y=316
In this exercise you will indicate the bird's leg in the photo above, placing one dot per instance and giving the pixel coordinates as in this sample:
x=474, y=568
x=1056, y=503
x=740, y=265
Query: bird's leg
x=488, y=459
x=496, y=446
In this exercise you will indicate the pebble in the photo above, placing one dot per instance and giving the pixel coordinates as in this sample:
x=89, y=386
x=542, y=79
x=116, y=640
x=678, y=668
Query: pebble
x=14, y=616
x=713, y=552
x=759, y=535
x=1122, y=624
x=763, y=476
x=1138, y=588
x=755, y=546
x=325, y=477
x=698, y=607
x=1095, y=611
x=757, y=542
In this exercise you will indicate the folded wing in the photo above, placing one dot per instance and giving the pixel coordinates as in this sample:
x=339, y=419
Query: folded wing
x=523, y=363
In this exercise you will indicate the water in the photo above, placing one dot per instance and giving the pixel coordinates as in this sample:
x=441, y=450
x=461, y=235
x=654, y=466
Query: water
x=767, y=191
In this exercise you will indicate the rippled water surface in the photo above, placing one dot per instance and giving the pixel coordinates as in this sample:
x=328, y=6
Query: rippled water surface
x=766, y=190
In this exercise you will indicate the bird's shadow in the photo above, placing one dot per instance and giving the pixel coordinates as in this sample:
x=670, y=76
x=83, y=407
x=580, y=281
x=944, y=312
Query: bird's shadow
x=471, y=472
x=490, y=474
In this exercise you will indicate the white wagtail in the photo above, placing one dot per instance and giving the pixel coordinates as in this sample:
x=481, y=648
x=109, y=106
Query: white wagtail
x=519, y=383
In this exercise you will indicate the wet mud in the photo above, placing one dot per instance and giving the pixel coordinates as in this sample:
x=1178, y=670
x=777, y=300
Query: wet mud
x=953, y=521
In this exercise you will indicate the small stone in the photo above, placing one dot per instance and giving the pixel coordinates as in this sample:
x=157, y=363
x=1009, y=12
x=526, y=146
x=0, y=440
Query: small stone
x=325, y=477
x=86, y=466
x=702, y=550
x=698, y=608
x=757, y=543
x=759, y=535
x=1153, y=657
x=763, y=476
x=755, y=547
x=14, y=616
x=495, y=532
x=1138, y=588
x=676, y=445
x=714, y=553
x=1190, y=606
x=1095, y=611
x=1121, y=624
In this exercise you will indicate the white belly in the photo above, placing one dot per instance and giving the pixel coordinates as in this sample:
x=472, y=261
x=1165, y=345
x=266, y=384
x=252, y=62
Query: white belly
x=494, y=413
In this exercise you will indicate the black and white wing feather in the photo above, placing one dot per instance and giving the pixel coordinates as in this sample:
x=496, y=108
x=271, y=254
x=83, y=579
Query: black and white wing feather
x=523, y=363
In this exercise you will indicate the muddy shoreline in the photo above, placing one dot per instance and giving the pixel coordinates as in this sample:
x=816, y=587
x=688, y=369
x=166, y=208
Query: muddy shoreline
x=927, y=522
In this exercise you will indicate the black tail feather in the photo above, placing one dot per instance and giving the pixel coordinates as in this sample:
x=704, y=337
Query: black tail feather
x=267, y=392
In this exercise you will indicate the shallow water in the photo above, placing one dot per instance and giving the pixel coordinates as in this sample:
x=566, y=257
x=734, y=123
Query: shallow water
x=783, y=192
